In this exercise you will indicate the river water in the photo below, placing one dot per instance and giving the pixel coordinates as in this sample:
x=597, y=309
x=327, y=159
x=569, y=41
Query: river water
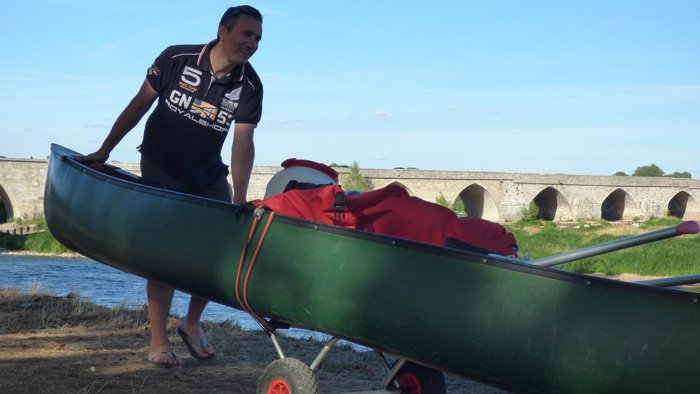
x=105, y=286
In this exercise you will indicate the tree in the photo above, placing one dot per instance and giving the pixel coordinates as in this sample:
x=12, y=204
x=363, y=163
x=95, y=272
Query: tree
x=441, y=200
x=354, y=181
x=458, y=207
x=655, y=171
x=650, y=170
x=684, y=174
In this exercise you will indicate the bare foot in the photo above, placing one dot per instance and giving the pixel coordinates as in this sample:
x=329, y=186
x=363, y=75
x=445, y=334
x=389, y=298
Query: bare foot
x=165, y=358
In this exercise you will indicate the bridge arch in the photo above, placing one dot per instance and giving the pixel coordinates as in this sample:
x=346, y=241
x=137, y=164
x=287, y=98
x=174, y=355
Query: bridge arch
x=618, y=205
x=684, y=206
x=401, y=185
x=6, y=211
x=478, y=203
x=552, y=205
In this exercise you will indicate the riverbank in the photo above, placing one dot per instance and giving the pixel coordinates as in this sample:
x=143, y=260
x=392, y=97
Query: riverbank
x=65, y=344
x=68, y=255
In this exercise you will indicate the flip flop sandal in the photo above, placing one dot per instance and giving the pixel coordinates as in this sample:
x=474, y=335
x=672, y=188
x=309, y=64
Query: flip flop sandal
x=170, y=357
x=190, y=345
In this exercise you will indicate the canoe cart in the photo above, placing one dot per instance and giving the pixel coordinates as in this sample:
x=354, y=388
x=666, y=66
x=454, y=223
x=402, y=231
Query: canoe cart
x=524, y=326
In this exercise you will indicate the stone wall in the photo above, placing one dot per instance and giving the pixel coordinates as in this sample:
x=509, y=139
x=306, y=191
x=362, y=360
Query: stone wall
x=22, y=186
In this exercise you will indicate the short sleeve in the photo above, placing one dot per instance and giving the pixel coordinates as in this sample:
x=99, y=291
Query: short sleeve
x=250, y=109
x=250, y=106
x=156, y=75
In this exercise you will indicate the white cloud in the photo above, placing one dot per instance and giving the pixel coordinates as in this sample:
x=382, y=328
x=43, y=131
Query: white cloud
x=97, y=125
x=284, y=122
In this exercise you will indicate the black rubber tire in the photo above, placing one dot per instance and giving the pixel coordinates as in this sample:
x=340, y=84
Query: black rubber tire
x=417, y=379
x=287, y=376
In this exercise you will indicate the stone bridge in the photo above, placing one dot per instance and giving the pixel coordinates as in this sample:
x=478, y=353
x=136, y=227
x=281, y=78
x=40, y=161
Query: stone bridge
x=496, y=196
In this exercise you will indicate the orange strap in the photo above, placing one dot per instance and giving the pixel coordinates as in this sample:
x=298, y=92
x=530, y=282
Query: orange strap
x=242, y=296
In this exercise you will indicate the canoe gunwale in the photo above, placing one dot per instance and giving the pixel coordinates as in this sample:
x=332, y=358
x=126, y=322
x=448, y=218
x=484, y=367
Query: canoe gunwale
x=118, y=177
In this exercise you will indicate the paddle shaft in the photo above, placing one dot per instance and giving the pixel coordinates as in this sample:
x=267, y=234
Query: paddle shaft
x=671, y=281
x=623, y=243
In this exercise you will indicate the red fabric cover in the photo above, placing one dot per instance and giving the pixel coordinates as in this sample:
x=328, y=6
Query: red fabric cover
x=392, y=211
x=322, y=168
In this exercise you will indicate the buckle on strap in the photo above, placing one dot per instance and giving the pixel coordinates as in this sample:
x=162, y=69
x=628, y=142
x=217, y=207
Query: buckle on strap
x=339, y=206
x=259, y=212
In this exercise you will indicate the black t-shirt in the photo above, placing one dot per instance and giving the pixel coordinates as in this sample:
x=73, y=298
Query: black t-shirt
x=186, y=131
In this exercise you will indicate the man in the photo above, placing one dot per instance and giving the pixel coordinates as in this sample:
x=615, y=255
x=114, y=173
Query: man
x=201, y=90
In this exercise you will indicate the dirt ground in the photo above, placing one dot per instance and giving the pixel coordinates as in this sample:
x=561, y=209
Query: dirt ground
x=52, y=344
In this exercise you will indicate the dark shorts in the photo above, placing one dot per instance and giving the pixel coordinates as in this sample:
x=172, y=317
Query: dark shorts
x=220, y=190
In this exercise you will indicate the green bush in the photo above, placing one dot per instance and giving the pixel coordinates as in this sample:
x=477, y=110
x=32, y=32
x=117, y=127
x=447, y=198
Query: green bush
x=458, y=207
x=11, y=242
x=44, y=242
x=441, y=200
x=41, y=241
x=529, y=214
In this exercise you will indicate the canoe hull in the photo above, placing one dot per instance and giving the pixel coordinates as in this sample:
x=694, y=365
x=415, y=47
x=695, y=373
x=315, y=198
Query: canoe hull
x=509, y=324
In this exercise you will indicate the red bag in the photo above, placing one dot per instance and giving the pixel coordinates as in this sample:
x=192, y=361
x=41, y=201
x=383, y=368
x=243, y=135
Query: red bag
x=392, y=211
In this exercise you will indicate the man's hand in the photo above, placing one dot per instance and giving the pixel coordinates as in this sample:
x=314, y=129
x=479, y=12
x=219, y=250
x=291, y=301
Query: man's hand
x=95, y=160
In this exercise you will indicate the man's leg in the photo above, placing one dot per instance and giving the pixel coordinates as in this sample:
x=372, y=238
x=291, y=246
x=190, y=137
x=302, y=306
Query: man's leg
x=193, y=333
x=160, y=298
x=190, y=329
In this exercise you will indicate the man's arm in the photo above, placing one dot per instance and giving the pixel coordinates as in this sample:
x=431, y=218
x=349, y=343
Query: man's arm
x=127, y=120
x=242, y=157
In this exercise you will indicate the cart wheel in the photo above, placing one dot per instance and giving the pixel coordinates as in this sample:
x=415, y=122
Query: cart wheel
x=287, y=376
x=417, y=379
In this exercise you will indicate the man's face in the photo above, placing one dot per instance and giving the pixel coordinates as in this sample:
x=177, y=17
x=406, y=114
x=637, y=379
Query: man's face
x=241, y=42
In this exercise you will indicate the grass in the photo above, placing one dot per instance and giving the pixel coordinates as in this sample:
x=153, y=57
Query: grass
x=41, y=241
x=675, y=256
x=55, y=311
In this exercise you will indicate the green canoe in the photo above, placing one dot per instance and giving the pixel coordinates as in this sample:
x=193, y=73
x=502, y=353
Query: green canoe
x=501, y=321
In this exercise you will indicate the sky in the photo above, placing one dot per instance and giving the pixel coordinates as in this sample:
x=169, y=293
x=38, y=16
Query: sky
x=572, y=87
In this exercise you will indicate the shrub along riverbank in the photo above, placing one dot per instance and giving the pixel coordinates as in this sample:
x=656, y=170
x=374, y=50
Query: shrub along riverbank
x=40, y=241
x=536, y=239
